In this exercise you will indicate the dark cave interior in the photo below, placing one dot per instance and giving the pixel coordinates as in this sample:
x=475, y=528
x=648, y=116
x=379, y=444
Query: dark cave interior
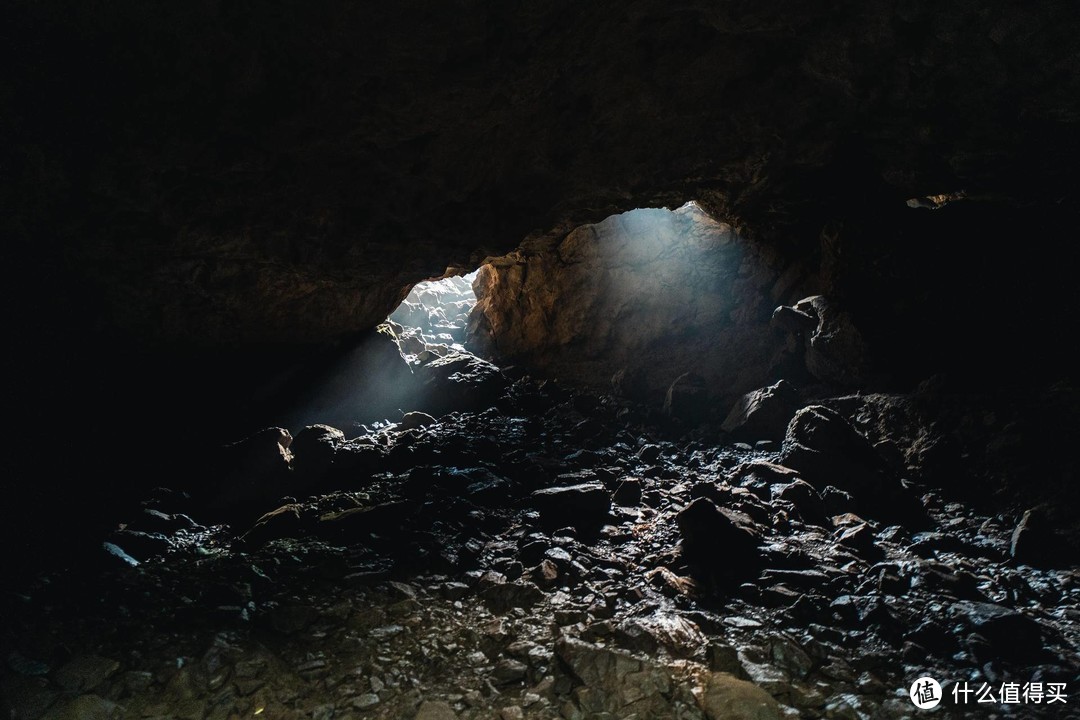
x=745, y=388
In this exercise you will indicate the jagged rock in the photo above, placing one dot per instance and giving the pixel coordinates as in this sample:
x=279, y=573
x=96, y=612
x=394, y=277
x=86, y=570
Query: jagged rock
x=1035, y=542
x=435, y=710
x=85, y=707
x=504, y=596
x=252, y=472
x=826, y=450
x=141, y=545
x=805, y=498
x=721, y=540
x=84, y=674
x=763, y=414
x=582, y=505
x=459, y=381
x=1011, y=634
x=687, y=399
x=281, y=523
x=726, y=697
x=415, y=419
x=615, y=681
x=313, y=450
x=835, y=350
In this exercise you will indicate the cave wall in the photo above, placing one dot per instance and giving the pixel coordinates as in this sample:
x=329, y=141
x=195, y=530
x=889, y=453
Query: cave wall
x=635, y=301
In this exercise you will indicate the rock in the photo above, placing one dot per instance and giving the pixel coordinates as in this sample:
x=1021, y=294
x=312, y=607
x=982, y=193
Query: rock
x=584, y=505
x=116, y=555
x=509, y=671
x=1035, y=542
x=435, y=710
x=84, y=707
x=615, y=680
x=276, y=524
x=1010, y=634
x=459, y=381
x=416, y=419
x=501, y=597
x=805, y=498
x=141, y=545
x=835, y=350
x=84, y=674
x=251, y=472
x=724, y=541
x=862, y=540
x=313, y=450
x=687, y=399
x=726, y=697
x=628, y=492
x=25, y=698
x=826, y=450
x=763, y=414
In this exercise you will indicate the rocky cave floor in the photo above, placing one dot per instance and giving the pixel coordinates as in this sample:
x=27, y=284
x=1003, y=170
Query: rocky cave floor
x=558, y=555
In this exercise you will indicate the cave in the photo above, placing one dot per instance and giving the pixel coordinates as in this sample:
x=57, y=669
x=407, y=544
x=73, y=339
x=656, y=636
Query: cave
x=563, y=360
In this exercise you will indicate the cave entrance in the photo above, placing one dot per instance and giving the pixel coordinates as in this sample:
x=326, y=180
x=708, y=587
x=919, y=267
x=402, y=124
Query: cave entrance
x=434, y=316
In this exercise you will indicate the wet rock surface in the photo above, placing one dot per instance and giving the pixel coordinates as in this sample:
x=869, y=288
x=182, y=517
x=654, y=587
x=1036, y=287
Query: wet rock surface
x=557, y=554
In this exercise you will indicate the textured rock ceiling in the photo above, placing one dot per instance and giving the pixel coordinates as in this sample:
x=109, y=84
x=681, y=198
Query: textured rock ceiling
x=230, y=172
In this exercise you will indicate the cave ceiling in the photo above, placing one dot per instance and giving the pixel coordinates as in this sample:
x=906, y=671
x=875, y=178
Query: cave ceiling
x=230, y=172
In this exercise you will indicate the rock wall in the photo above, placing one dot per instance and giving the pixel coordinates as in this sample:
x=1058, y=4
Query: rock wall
x=636, y=301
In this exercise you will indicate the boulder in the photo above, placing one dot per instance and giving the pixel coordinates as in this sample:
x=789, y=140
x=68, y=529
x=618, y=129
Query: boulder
x=313, y=450
x=721, y=541
x=826, y=450
x=836, y=352
x=584, y=505
x=459, y=381
x=763, y=414
x=725, y=697
x=415, y=419
x=250, y=474
x=687, y=399
x=615, y=681
x=1010, y=634
x=1036, y=542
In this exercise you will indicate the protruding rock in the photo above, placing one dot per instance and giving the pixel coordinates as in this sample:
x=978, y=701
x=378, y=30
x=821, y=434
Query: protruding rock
x=582, y=505
x=726, y=697
x=435, y=710
x=763, y=414
x=835, y=349
x=1034, y=541
x=313, y=450
x=720, y=540
x=687, y=399
x=826, y=450
x=415, y=419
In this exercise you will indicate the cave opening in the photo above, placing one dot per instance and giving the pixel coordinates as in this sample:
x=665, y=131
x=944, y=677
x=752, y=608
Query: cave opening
x=434, y=316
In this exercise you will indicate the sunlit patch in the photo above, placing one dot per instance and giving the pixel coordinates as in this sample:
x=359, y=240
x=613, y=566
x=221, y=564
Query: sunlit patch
x=933, y=202
x=434, y=317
